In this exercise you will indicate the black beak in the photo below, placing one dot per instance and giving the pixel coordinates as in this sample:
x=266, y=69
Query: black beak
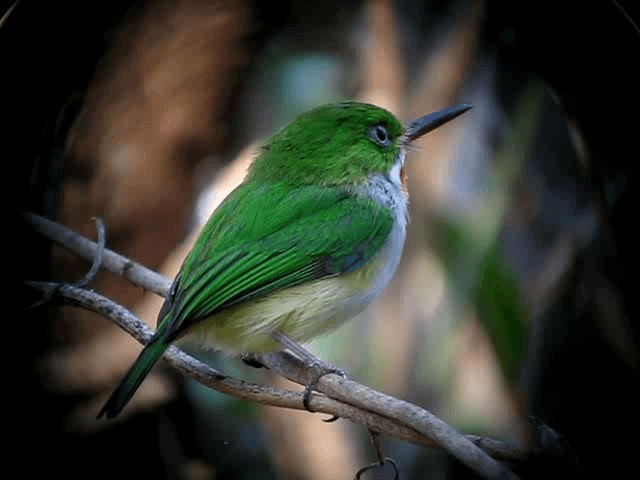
x=425, y=124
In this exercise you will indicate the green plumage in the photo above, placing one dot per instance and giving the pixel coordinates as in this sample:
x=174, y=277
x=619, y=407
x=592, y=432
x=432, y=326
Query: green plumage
x=134, y=377
x=309, y=233
x=304, y=213
x=330, y=146
x=285, y=225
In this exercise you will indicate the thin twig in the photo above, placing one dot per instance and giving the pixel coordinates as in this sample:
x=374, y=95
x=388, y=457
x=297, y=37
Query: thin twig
x=85, y=248
x=89, y=277
x=381, y=459
x=342, y=397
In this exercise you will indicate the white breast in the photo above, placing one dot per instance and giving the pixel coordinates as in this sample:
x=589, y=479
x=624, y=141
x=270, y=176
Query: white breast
x=386, y=189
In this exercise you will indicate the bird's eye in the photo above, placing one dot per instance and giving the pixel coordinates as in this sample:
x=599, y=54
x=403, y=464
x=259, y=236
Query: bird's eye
x=380, y=135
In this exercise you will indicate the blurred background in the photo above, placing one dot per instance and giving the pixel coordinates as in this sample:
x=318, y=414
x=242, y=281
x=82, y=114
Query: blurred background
x=515, y=295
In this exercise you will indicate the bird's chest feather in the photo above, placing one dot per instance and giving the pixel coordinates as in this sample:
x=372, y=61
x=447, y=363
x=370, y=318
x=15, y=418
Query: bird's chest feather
x=325, y=304
x=389, y=191
x=311, y=309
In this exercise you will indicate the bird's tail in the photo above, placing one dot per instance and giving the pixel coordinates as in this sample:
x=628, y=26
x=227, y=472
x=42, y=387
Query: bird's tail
x=134, y=377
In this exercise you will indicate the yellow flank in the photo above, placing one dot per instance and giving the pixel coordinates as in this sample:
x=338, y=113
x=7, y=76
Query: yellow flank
x=302, y=312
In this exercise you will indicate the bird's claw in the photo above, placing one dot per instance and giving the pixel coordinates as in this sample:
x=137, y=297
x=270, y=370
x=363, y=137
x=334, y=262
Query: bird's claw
x=319, y=370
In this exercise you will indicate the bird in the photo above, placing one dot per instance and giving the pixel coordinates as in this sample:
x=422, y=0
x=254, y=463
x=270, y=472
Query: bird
x=309, y=239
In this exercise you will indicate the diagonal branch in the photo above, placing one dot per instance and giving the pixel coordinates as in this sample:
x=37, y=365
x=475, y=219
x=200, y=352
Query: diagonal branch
x=85, y=248
x=342, y=397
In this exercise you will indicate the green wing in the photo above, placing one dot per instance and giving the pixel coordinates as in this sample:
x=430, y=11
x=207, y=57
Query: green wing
x=267, y=237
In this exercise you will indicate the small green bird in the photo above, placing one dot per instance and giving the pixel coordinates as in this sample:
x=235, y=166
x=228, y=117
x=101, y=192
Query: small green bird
x=312, y=235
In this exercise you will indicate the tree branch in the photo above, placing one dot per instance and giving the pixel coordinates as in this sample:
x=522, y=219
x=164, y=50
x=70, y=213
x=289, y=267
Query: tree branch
x=342, y=397
x=85, y=248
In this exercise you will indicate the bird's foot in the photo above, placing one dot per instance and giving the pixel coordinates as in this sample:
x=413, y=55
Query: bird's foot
x=318, y=370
